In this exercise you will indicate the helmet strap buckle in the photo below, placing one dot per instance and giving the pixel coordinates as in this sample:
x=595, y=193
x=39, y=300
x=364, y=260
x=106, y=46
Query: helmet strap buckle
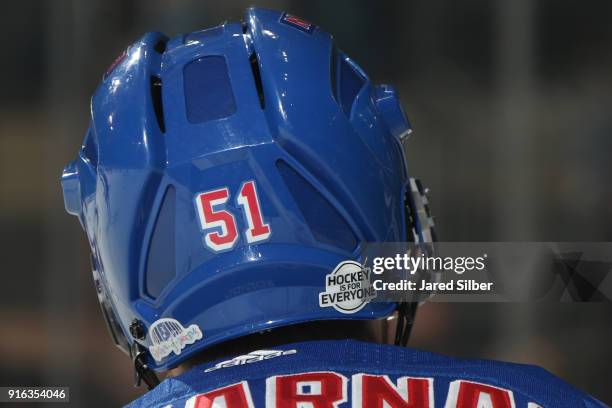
x=142, y=372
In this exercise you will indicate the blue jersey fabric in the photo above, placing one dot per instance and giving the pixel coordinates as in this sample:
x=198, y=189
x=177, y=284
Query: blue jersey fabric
x=529, y=386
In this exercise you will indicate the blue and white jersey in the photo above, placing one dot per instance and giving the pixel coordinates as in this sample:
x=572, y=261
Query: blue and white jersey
x=339, y=374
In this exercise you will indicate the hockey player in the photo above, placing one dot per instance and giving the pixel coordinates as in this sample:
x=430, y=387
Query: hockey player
x=229, y=175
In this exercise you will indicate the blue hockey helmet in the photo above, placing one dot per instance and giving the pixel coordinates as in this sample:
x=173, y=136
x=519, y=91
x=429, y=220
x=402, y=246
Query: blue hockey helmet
x=225, y=174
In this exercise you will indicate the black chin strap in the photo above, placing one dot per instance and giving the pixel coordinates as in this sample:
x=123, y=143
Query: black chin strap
x=405, y=320
x=142, y=372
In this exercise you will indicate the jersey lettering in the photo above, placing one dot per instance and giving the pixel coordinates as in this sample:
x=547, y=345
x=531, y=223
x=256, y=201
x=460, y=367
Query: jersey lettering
x=467, y=394
x=233, y=396
x=306, y=390
x=377, y=391
x=328, y=389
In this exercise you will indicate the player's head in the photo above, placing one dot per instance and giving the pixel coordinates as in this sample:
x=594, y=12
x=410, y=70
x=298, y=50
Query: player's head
x=226, y=175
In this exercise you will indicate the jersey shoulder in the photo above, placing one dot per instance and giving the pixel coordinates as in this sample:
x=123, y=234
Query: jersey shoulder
x=356, y=374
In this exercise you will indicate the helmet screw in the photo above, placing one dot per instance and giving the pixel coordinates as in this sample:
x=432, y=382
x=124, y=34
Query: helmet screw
x=137, y=329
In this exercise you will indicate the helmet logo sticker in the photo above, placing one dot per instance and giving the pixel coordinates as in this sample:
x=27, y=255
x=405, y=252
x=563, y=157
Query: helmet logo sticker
x=168, y=335
x=347, y=288
x=297, y=22
x=252, y=357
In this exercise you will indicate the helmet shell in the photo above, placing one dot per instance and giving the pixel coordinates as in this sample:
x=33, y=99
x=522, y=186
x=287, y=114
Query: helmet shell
x=272, y=104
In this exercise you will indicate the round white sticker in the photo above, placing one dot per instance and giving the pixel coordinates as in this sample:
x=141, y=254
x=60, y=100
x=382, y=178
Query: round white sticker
x=347, y=288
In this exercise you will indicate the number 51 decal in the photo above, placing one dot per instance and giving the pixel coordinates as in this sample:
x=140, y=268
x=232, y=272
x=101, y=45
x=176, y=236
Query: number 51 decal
x=211, y=216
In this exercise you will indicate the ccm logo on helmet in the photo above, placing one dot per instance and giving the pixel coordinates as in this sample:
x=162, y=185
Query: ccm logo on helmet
x=220, y=225
x=297, y=22
x=330, y=390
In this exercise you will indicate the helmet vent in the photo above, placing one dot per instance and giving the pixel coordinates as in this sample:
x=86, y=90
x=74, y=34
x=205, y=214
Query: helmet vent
x=160, y=46
x=325, y=222
x=208, y=90
x=156, y=98
x=161, y=257
x=257, y=78
x=346, y=81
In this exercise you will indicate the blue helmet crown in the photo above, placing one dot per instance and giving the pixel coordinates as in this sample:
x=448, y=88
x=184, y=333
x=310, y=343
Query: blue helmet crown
x=225, y=173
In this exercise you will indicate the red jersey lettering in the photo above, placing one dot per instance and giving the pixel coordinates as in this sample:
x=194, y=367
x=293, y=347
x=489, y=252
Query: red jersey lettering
x=313, y=390
x=232, y=396
x=467, y=394
x=377, y=391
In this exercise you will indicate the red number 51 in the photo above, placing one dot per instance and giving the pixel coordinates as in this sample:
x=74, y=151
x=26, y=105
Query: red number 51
x=222, y=219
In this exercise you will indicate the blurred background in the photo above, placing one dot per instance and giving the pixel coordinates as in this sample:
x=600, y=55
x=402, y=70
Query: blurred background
x=510, y=101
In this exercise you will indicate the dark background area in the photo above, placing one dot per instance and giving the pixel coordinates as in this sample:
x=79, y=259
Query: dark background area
x=510, y=102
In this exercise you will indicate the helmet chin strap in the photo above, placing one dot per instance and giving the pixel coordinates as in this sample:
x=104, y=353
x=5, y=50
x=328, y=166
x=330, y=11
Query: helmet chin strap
x=142, y=372
x=405, y=320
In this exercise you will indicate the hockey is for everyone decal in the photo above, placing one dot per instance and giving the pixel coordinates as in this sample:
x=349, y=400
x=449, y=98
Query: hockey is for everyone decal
x=347, y=288
x=169, y=336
